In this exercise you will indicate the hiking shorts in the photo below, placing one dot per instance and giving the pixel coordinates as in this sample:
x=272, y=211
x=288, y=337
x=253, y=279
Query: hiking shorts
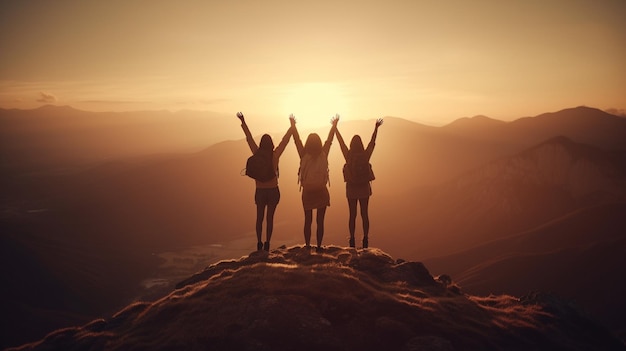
x=317, y=198
x=358, y=191
x=267, y=196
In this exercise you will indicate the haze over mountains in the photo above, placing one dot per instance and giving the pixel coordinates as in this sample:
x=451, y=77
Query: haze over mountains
x=517, y=193
x=61, y=135
x=88, y=199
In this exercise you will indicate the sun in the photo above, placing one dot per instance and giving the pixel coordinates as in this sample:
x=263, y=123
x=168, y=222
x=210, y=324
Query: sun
x=314, y=104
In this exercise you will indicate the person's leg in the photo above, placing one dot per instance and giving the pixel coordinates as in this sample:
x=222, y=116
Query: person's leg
x=260, y=213
x=308, y=219
x=352, y=220
x=271, y=209
x=321, y=212
x=364, y=203
x=273, y=200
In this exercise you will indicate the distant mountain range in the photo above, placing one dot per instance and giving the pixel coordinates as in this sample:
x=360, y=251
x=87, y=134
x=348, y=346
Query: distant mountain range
x=59, y=136
x=82, y=230
x=343, y=299
x=582, y=124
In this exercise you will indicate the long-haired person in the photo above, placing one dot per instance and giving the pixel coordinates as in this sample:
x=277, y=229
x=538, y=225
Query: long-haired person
x=313, y=177
x=358, y=175
x=267, y=195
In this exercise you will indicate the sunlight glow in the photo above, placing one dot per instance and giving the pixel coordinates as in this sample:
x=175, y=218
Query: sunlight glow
x=314, y=104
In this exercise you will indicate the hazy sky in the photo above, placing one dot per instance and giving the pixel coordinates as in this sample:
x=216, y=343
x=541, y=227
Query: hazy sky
x=430, y=61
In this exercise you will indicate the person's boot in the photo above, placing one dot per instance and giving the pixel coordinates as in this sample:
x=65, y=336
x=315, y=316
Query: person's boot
x=259, y=246
x=352, y=242
x=365, y=243
x=266, y=247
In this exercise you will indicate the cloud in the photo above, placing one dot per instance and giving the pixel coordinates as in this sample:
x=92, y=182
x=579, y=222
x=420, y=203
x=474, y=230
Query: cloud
x=46, y=98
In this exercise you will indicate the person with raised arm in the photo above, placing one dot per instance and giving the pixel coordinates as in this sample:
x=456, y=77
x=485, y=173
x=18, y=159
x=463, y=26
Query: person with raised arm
x=358, y=175
x=267, y=194
x=313, y=178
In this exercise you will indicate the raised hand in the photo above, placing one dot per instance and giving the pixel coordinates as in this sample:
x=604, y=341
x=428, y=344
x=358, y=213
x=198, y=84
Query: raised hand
x=292, y=120
x=240, y=116
x=379, y=122
x=334, y=120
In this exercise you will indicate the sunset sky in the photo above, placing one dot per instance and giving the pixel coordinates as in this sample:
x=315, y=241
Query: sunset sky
x=428, y=61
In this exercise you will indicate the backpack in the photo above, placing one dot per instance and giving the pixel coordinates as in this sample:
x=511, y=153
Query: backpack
x=358, y=169
x=260, y=166
x=313, y=173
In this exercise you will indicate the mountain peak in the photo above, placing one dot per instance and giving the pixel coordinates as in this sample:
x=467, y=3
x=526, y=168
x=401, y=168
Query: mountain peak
x=478, y=125
x=341, y=299
x=583, y=108
x=50, y=107
x=475, y=122
x=579, y=113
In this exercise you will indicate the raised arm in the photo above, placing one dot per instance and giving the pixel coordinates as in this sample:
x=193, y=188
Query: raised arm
x=283, y=143
x=253, y=146
x=296, y=136
x=331, y=134
x=370, y=146
x=342, y=144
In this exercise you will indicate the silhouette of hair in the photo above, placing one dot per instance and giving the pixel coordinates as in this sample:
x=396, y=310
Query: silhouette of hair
x=356, y=144
x=266, y=143
x=313, y=145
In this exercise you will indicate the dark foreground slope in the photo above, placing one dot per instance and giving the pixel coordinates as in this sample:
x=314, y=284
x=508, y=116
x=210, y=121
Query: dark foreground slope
x=343, y=299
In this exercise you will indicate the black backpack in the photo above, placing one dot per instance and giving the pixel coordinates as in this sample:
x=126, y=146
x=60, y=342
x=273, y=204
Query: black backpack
x=260, y=166
x=358, y=169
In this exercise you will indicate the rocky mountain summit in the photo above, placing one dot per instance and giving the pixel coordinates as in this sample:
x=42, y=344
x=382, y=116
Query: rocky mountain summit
x=340, y=299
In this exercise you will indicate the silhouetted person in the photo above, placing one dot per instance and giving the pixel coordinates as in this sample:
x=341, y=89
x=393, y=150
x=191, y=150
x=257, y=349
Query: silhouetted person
x=267, y=194
x=358, y=174
x=313, y=177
